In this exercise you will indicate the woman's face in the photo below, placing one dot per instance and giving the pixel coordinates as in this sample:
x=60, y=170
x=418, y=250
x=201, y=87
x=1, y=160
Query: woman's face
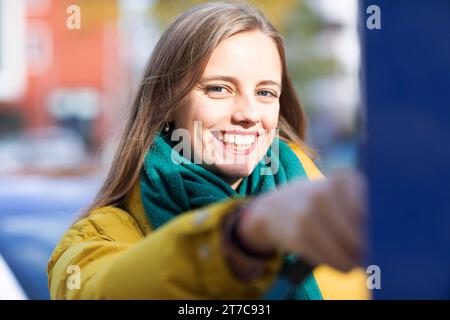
x=232, y=112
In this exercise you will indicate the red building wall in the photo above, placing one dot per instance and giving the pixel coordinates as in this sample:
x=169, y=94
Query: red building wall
x=59, y=58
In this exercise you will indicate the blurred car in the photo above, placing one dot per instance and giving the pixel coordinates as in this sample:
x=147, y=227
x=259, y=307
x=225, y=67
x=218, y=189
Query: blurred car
x=35, y=211
x=43, y=150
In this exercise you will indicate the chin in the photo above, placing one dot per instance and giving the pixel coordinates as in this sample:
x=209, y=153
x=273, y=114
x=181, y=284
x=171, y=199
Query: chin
x=235, y=171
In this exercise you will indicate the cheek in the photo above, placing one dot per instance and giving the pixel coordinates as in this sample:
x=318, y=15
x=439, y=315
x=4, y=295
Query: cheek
x=210, y=112
x=270, y=117
x=194, y=112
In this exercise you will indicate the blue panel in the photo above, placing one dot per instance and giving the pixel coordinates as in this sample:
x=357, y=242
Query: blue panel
x=406, y=76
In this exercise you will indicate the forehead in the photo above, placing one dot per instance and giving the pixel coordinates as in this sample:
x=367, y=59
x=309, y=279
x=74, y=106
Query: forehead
x=247, y=54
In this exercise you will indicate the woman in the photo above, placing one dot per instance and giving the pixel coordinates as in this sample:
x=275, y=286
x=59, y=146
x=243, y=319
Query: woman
x=205, y=198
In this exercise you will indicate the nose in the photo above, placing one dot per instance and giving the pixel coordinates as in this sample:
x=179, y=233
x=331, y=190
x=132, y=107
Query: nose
x=246, y=112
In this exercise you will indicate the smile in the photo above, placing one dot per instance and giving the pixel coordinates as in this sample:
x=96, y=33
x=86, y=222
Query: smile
x=239, y=142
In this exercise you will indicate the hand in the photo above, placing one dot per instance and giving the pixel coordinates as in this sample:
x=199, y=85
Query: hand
x=321, y=221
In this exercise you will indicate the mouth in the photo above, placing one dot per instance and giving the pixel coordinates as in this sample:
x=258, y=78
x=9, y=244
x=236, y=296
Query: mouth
x=237, y=141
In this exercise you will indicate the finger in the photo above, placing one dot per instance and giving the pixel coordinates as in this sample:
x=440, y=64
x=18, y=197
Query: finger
x=324, y=249
x=340, y=228
x=349, y=193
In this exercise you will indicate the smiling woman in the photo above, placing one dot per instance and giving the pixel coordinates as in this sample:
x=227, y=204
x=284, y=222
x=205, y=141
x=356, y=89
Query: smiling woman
x=165, y=226
x=237, y=97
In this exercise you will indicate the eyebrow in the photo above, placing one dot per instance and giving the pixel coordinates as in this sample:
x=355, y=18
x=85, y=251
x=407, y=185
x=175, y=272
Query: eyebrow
x=235, y=81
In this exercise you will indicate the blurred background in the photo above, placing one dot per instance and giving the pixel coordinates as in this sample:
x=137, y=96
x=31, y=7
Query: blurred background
x=64, y=91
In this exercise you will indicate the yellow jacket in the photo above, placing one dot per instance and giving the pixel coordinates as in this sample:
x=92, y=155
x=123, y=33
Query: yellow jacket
x=119, y=256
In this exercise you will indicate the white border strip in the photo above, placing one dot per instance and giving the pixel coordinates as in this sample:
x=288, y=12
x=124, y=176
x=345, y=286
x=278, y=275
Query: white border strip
x=10, y=288
x=12, y=46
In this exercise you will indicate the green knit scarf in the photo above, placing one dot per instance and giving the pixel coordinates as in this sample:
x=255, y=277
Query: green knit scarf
x=171, y=184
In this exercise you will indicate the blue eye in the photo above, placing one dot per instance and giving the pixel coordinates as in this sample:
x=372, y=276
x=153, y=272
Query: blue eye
x=218, y=91
x=267, y=93
x=215, y=89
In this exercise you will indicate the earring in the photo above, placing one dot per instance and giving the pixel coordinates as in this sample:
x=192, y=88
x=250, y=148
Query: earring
x=166, y=127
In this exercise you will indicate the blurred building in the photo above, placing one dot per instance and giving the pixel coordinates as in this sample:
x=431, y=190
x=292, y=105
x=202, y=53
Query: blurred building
x=52, y=74
x=84, y=78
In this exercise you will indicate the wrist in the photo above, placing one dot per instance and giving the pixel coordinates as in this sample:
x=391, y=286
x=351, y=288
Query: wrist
x=244, y=264
x=249, y=231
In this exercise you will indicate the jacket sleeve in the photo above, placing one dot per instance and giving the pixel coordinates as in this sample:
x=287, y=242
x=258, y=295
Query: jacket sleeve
x=181, y=260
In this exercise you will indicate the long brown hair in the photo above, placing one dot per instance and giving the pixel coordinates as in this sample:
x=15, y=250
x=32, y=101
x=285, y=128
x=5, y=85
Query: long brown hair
x=175, y=67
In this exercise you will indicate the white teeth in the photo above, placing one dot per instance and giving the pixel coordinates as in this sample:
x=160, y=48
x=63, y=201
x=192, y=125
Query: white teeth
x=242, y=147
x=238, y=139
